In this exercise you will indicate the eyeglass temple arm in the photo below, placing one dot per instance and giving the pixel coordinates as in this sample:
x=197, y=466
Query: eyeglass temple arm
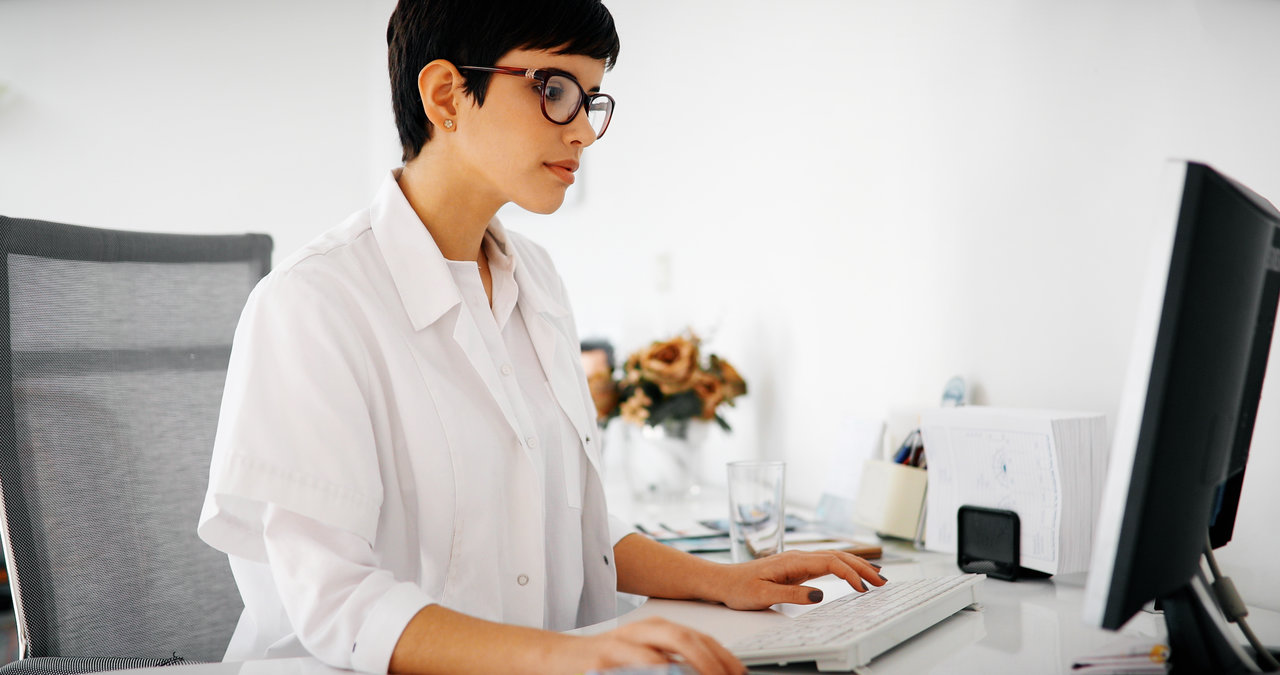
x=531, y=73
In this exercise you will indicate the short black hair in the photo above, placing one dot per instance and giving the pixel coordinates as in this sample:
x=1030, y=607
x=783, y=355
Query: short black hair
x=478, y=33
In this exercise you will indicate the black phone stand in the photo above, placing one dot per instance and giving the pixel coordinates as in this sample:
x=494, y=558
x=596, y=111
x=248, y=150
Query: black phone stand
x=989, y=542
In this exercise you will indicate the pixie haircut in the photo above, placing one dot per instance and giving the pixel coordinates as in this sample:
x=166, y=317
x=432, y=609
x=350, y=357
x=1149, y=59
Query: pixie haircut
x=478, y=33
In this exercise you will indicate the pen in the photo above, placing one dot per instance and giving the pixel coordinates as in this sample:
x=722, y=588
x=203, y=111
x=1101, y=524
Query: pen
x=1155, y=654
x=900, y=457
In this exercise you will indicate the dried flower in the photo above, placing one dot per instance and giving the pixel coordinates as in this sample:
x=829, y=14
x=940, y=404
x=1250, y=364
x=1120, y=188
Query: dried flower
x=735, y=386
x=670, y=364
x=636, y=408
x=666, y=381
x=710, y=391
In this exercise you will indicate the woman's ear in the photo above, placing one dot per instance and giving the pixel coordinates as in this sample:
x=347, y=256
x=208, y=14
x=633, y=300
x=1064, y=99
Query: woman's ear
x=440, y=88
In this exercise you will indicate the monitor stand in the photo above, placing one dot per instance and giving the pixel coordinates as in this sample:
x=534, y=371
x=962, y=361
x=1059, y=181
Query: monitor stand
x=1200, y=640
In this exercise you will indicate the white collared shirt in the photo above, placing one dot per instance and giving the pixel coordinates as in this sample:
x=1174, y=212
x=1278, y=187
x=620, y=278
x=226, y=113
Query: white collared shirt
x=387, y=441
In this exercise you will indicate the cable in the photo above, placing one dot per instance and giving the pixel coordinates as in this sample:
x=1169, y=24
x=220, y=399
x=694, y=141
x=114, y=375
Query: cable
x=1234, y=608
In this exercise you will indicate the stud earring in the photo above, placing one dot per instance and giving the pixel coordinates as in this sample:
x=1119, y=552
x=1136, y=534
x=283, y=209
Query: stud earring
x=448, y=124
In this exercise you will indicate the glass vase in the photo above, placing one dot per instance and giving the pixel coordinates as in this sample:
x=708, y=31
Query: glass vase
x=663, y=460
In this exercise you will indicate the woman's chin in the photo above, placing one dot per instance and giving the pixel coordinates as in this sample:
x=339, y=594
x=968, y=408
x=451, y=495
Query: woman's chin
x=544, y=204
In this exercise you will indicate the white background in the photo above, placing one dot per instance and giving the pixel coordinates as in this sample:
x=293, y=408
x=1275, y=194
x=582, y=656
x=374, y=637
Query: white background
x=852, y=199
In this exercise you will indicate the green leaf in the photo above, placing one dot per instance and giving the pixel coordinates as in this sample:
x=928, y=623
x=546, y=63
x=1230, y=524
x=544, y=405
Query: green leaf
x=681, y=406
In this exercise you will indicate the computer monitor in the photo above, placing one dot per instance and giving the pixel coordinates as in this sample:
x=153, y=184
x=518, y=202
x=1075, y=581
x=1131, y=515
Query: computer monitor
x=1222, y=521
x=1186, y=416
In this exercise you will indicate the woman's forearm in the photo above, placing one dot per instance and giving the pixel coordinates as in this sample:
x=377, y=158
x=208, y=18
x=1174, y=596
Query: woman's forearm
x=439, y=640
x=646, y=567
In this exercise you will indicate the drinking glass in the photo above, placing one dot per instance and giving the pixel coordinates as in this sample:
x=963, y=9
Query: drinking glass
x=756, y=517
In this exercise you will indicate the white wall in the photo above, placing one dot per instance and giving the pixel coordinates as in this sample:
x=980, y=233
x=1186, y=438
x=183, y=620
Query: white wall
x=854, y=199
x=193, y=116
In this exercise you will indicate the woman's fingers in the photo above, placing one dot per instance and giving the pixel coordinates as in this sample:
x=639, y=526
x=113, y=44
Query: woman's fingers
x=799, y=567
x=696, y=649
x=848, y=570
x=865, y=568
x=854, y=570
x=767, y=581
x=803, y=595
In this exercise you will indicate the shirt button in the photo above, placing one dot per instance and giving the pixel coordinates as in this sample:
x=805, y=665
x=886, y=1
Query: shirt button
x=532, y=441
x=506, y=369
x=523, y=579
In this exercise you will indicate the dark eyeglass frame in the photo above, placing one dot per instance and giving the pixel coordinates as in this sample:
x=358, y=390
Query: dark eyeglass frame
x=543, y=75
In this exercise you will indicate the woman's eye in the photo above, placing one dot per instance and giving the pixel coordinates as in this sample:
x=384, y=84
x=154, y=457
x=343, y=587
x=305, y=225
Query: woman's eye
x=554, y=92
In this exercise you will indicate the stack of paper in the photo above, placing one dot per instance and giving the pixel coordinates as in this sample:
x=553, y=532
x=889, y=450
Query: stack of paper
x=712, y=536
x=1046, y=466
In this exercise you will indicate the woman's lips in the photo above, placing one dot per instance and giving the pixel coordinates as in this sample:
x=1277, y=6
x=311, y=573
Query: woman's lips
x=562, y=173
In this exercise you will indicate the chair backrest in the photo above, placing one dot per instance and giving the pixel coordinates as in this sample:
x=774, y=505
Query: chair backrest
x=115, y=350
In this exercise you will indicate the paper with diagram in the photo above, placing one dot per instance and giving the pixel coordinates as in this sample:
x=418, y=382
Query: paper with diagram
x=1046, y=466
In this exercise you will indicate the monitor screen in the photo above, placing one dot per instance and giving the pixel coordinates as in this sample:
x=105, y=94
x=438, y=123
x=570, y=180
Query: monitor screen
x=1191, y=394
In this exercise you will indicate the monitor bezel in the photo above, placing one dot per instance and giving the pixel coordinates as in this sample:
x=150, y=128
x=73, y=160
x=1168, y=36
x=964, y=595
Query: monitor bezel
x=1175, y=279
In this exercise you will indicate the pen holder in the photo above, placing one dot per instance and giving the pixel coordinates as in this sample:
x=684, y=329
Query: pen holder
x=890, y=498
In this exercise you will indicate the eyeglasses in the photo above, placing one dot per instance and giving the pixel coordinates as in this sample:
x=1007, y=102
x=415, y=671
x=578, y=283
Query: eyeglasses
x=562, y=96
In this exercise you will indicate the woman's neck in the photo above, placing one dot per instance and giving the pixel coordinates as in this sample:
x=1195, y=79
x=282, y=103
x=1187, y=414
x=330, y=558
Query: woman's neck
x=448, y=206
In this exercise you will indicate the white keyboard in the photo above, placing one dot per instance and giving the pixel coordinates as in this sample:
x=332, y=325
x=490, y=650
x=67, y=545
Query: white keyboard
x=851, y=630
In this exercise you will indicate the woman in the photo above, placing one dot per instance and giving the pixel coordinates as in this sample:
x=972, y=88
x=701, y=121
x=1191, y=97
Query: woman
x=405, y=475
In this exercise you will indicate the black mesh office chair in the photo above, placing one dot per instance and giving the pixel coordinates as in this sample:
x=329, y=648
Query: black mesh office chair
x=115, y=350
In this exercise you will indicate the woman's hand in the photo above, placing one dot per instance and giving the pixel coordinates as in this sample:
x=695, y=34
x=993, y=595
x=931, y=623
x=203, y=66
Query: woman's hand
x=653, y=641
x=760, y=583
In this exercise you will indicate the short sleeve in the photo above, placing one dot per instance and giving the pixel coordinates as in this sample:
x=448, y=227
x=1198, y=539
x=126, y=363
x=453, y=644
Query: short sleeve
x=294, y=428
x=619, y=529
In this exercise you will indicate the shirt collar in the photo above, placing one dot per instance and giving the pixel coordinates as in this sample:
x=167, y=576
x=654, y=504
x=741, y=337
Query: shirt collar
x=417, y=267
x=421, y=275
x=502, y=266
x=531, y=273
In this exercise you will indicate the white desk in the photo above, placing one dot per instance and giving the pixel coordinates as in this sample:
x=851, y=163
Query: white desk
x=1024, y=626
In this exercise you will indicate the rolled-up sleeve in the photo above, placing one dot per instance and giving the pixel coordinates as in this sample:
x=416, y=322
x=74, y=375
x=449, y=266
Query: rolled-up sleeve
x=294, y=428
x=345, y=610
x=618, y=529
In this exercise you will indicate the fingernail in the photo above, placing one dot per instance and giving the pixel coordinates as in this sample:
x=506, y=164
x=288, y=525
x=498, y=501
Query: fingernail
x=815, y=596
x=882, y=577
x=874, y=565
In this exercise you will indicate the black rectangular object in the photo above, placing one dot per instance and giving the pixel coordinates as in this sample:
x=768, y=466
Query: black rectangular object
x=988, y=541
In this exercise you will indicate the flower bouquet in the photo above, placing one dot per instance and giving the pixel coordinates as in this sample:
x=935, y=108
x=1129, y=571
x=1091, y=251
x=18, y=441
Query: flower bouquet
x=669, y=395
x=667, y=382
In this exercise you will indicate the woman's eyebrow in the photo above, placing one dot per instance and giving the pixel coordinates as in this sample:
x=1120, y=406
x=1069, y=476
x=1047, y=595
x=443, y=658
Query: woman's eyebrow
x=561, y=71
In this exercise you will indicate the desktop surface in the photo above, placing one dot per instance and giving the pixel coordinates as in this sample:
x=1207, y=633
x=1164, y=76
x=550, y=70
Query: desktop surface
x=1027, y=626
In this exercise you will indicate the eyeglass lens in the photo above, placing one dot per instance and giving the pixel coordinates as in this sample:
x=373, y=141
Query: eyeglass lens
x=563, y=98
